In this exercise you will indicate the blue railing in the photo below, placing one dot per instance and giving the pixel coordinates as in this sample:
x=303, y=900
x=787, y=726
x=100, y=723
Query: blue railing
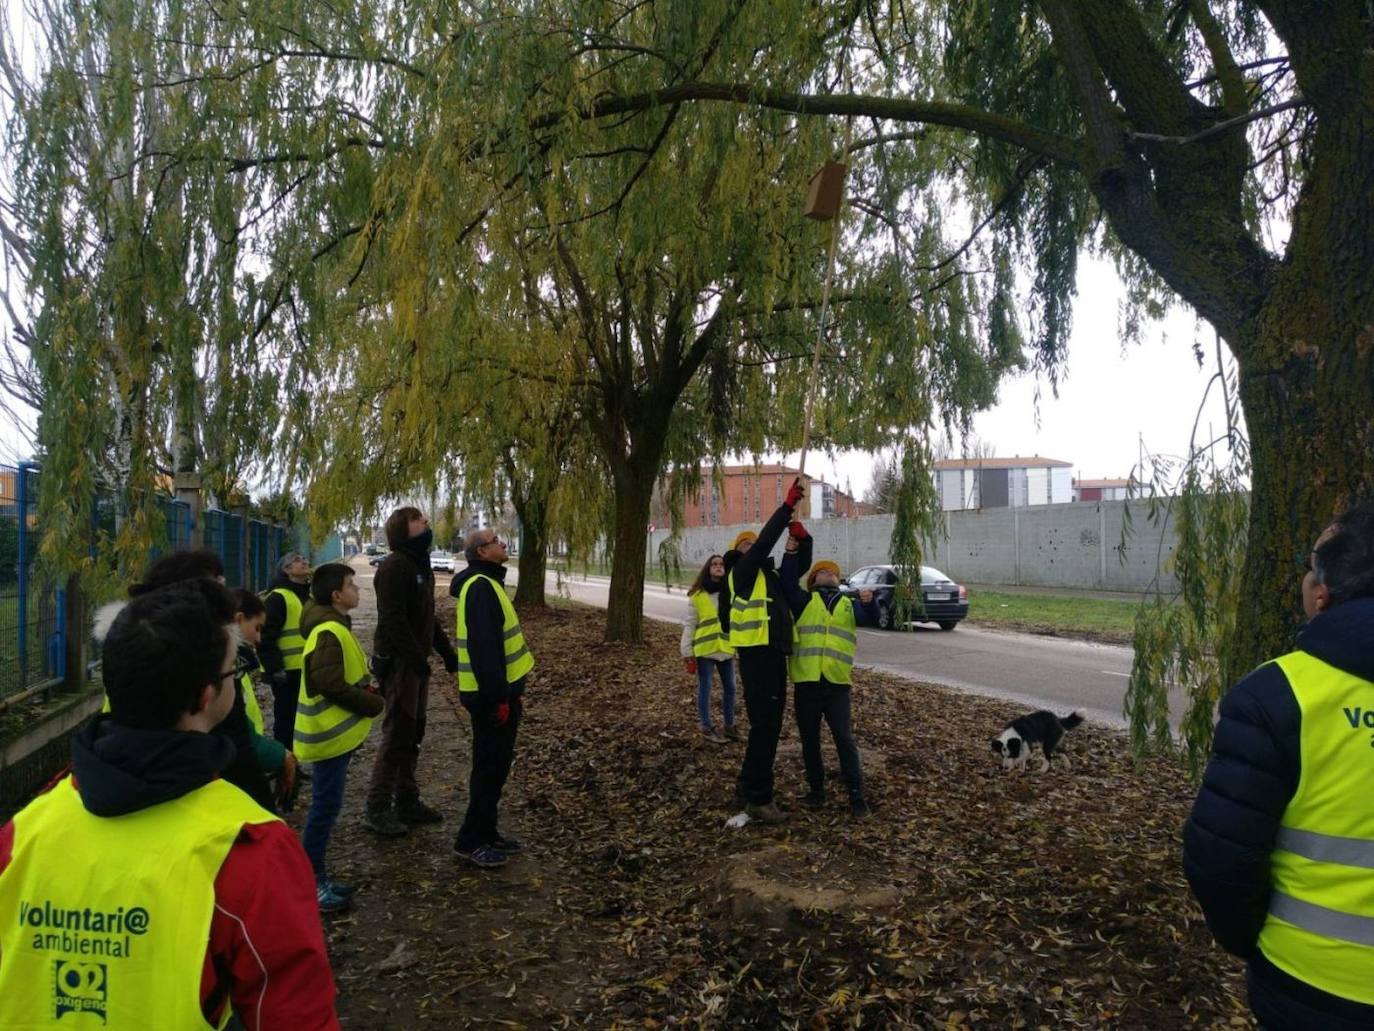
x=31, y=605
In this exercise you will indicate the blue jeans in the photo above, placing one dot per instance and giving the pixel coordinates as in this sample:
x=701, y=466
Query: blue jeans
x=727, y=683
x=326, y=799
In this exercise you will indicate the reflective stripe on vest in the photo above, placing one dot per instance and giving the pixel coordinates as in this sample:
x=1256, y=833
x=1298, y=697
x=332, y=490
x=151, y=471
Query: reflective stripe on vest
x=519, y=661
x=325, y=730
x=109, y=917
x=823, y=642
x=1320, y=927
x=250, y=702
x=707, y=638
x=749, y=616
x=289, y=641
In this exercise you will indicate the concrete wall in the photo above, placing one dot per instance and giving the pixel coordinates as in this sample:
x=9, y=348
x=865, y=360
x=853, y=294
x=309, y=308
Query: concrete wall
x=1072, y=545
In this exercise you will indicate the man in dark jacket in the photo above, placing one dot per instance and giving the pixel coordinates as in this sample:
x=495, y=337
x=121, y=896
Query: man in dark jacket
x=493, y=662
x=1279, y=848
x=406, y=633
x=760, y=623
x=280, y=648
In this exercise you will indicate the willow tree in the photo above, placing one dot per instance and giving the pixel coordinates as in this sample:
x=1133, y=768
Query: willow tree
x=131, y=254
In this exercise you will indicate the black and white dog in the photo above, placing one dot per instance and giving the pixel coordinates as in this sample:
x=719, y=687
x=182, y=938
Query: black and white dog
x=1041, y=728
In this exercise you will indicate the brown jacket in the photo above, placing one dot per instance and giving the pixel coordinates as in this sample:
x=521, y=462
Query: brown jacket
x=324, y=667
x=406, y=628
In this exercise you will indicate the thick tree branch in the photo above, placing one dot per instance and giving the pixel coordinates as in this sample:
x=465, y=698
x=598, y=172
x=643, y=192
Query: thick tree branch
x=1221, y=127
x=1233, y=96
x=1061, y=149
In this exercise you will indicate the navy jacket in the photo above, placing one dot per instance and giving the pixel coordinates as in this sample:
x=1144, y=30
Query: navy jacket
x=747, y=568
x=1251, y=777
x=486, y=645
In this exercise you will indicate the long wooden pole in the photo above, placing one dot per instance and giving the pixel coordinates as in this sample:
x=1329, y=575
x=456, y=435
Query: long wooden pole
x=825, y=307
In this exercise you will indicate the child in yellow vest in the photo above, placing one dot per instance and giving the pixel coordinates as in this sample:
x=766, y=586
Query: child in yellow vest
x=706, y=648
x=337, y=704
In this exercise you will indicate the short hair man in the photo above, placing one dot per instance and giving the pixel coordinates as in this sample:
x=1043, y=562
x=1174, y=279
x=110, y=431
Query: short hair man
x=1279, y=848
x=406, y=634
x=144, y=887
x=493, y=661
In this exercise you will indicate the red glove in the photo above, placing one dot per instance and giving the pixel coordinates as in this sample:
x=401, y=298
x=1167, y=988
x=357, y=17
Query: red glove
x=798, y=531
x=690, y=664
x=502, y=714
x=794, y=493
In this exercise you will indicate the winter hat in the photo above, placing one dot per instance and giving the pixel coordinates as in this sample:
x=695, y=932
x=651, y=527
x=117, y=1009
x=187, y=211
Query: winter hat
x=741, y=537
x=824, y=563
x=290, y=557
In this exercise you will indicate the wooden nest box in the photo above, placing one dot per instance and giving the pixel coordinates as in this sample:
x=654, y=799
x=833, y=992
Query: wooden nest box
x=825, y=191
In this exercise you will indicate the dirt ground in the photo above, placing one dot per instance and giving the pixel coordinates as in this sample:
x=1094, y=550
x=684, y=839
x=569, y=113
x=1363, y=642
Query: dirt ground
x=970, y=899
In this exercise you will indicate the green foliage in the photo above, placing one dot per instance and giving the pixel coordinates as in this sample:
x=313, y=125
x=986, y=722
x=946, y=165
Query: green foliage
x=917, y=518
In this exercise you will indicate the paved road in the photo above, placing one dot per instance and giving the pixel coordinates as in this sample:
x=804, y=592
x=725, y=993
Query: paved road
x=1037, y=671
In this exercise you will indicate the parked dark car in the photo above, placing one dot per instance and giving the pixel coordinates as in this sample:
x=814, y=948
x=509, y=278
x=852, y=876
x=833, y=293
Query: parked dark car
x=376, y=560
x=946, y=602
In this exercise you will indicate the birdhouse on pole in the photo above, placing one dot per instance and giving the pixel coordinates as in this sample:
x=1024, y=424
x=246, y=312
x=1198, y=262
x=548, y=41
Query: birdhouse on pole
x=825, y=191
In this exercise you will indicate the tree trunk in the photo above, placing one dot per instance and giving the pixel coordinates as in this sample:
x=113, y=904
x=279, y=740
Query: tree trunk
x=634, y=488
x=534, y=545
x=1307, y=385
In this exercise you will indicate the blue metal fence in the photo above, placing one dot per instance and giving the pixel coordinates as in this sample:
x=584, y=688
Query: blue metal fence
x=224, y=535
x=31, y=605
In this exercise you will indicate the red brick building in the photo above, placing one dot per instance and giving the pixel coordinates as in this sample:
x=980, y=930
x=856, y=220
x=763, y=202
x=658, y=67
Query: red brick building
x=751, y=493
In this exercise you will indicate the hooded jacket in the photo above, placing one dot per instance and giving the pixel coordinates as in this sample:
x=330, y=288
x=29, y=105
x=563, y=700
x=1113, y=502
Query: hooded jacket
x=756, y=562
x=266, y=954
x=269, y=651
x=486, y=652
x=1252, y=776
x=406, y=627
x=324, y=667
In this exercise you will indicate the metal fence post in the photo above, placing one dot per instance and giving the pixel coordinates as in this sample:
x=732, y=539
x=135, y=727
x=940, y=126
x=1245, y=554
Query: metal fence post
x=22, y=490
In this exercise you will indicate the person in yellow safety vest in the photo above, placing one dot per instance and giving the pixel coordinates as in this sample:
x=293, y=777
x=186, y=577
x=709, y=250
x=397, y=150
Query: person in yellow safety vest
x=144, y=890
x=706, y=648
x=824, y=642
x=1279, y=848
x=282, y=649
x=493, y=662
x=274, y=760
x=760, y=626
x=335, y=710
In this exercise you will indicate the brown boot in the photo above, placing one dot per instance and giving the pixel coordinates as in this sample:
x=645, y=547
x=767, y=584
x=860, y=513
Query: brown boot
x=764, y=812
x=731, y=732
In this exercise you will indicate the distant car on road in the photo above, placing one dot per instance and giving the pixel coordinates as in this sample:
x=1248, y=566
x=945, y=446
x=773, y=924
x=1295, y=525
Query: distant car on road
x=441, y=561
x=375, y=559
x=371, y=549
x=946, y=602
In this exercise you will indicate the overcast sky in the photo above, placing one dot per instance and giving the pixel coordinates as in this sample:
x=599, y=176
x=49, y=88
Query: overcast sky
x=1111, y=394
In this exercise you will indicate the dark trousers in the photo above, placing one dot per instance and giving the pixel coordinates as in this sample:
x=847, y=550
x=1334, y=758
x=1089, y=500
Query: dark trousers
x=824, y=700
x=403, y=728
x=764, y=672
x=284, y=709
x=493, y=748
x=326, y=799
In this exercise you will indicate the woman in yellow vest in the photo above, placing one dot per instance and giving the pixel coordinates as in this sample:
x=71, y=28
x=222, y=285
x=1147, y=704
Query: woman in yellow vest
x=823, y=645
x=706, y=648
x=273, y=759
x=333, y=715
x=1279, y=848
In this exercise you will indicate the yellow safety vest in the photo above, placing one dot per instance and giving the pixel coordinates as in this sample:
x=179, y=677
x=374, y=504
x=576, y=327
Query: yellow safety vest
x=519, y=661
x=250, y=702
x=1320, y=926
x=325, y=730
x=707, y=638
x=290, y=642
x=108, y=916
x=823, y=642
x=749, y=616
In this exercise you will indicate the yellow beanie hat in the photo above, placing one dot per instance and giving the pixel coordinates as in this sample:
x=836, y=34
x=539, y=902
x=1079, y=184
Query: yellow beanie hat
x=743, y=535
x=824, y=563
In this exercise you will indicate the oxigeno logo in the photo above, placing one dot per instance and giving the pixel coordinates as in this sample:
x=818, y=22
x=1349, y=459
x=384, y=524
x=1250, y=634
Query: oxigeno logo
x=79, y=988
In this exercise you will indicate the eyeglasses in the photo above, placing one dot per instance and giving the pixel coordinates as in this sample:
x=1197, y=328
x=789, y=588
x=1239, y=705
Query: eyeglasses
x=494, y=540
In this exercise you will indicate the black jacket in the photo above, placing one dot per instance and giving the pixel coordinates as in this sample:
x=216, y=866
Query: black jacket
x=269, y=651
x=1251, y=777
x=485, y=645
x=406, y=627
x=747, y=568
x=123, y=770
